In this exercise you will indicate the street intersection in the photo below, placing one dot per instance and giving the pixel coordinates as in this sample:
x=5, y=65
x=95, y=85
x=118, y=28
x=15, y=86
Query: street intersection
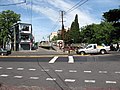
x=69, y=72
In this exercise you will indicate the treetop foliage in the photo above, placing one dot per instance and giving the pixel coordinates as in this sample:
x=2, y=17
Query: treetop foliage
x=107, y=32
x=7, y=19
x=112, y=15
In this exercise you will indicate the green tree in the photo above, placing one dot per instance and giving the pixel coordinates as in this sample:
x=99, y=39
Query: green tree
x=104, y=32
x=7, y=19
x=55, y=38
x=87, y=34
x=112, y=15
x=67, y=37
x=97, y=33
x=74, y=32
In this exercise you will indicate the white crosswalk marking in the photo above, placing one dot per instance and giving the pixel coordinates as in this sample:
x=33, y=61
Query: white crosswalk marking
x=19, y=77
x=59, y=70
x=72, y=71
x=20, y=69
x=89, y=81
x=50, y=79
x=114, y=82
x=71, y=60
x=87, y=71
x=53, y=60
x=9, y=68
x=117, y=72
x=102, y=71
x=69, y=80
x=34, y=78
x=4, y=75
x=1, y=67
x=32, y=69
x=44, y=70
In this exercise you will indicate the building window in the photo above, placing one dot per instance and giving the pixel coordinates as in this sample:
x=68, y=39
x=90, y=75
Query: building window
x=24, y=37
x=25, y=28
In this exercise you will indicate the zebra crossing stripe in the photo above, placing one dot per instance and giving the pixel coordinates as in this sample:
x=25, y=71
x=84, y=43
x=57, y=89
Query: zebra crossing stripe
x=53, y=59
x=71, y=60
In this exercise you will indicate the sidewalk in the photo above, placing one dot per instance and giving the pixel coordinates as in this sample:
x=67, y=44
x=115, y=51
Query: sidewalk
x=56, y=51
x=38, y=52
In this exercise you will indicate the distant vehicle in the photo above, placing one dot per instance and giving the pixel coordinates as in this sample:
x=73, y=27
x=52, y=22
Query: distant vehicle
x=93, y=48
x=4, y=52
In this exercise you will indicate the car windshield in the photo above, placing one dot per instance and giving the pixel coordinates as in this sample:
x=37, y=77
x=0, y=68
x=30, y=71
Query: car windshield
x=89, y=46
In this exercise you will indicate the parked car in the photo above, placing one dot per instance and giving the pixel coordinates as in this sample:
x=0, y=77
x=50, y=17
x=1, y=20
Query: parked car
x=93, y=48
x=4, y=51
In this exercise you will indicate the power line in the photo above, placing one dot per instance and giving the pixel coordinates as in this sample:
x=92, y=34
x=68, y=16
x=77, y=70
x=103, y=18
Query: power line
x=31, y=10
x=49, y=75
x=80, y=3
x=55, y=25
x=74, y=6
x=13, y=3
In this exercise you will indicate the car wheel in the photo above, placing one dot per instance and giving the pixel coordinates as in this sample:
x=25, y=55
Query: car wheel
x=102, y=51
x=82, y=53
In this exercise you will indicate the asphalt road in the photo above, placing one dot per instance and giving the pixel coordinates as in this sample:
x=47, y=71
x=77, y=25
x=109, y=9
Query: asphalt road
x=62, y=72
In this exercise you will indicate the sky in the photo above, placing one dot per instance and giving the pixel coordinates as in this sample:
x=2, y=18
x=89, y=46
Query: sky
x=45, y=15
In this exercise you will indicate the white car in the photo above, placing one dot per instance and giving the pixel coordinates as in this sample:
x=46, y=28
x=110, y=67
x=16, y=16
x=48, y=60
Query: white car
x=93, y=48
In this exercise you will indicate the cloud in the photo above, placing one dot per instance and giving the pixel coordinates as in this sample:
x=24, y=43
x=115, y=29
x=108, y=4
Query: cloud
x=84, y=16
x=49, y=11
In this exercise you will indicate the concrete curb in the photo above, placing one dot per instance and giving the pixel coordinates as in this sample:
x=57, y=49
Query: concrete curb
x=33, y=56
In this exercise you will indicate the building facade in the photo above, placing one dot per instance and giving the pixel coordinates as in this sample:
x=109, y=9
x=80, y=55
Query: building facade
x=22, y=37
x=52, y=35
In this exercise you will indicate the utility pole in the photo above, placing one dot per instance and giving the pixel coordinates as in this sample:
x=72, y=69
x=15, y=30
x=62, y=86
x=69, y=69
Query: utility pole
x=62, y=13
x=14, y=39
x=63, y=30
